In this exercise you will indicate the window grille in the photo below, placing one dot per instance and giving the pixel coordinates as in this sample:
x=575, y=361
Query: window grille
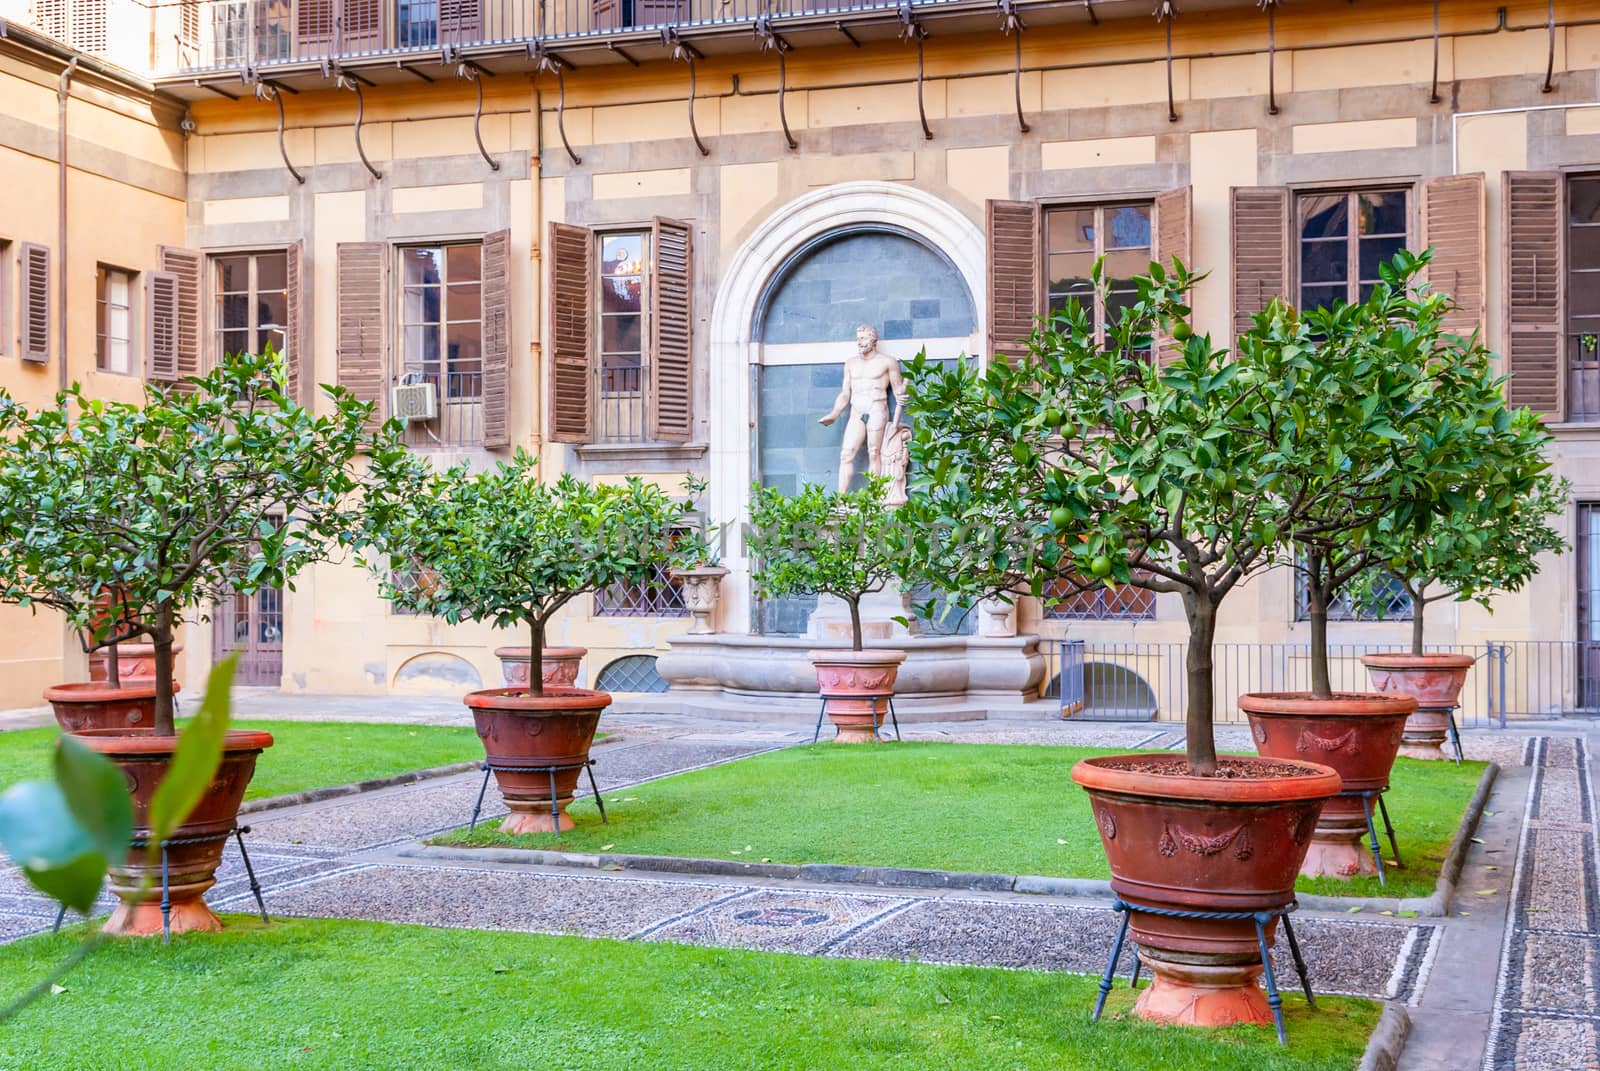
x=660, y=596
x=631, y=673
x=1122, y=603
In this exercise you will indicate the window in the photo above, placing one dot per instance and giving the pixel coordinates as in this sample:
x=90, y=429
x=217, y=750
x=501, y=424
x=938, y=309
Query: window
x=1390, y=602
x=5, y=297
x=1122, y=603
x=1075, y=237
x=252, y=308
x=1583, y=298
x=1588, y=605
x=1343, y=237
x=441, y=338
x=113, y=321
x=417, y=23
x=623, y=312
x=660, y=596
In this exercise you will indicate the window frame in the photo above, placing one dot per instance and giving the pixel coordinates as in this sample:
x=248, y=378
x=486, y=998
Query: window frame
x=8, y=255
x=1351, y=191
x=1098, y=313
x=468, y=408
x=102, y=280
x=603, y=434
x=1572, y=365
x=213, y=350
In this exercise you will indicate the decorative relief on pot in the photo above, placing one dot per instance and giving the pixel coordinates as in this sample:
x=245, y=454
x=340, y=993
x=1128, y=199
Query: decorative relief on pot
x=1301, y=823
x=532, y=726
x=1345, y=741
x=1173, y=838
x=1108, y=824
x=1260, y=732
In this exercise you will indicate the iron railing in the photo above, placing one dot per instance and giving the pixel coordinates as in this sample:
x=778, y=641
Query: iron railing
x=623, y=416
x=1147, y=681
x=460, y=417
x=1583, y=376
x=660, y=596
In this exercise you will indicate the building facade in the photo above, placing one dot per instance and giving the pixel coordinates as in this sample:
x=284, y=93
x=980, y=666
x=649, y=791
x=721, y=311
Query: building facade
x=685, y=209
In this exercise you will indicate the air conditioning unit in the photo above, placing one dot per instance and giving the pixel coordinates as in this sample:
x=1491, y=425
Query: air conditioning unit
x=414, y=401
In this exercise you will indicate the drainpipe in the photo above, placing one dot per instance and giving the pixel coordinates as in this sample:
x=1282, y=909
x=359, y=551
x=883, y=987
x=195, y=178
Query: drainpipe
x=61, y=167
x=536, y=265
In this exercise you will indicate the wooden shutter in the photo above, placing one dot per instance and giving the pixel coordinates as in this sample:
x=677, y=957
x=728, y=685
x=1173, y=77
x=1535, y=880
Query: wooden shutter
x=460, y=21
x=1453, y=227
x=571, y=329
x=313, y=26
x=1534, y=206
x=1014, y=290
x=298, y=366
x=359, y=354
x=496, y=339
x=188, y=267
x=1172, y=231
x=1260, y=255
x=161, y=327
x=671, y=330
x=34, y=322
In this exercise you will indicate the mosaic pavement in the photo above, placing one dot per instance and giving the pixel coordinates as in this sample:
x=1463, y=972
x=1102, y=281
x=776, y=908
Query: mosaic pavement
x=1546, y=1014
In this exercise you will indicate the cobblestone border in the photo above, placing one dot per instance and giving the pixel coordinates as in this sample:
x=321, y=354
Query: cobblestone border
x=1433, y=906
x=1388, y=1040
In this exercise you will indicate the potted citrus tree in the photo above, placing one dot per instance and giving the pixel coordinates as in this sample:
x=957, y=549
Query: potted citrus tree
x=220, y=486
x=1116, y=469
x=1487, y=535
x=1394, y=413
x=846, y=544
x=503, y=547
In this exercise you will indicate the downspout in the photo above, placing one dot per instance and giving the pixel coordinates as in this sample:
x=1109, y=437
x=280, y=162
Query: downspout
x=61, y=213
x=536, y=266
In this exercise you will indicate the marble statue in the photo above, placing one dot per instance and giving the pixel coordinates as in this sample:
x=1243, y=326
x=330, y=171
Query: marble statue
x=870, y=377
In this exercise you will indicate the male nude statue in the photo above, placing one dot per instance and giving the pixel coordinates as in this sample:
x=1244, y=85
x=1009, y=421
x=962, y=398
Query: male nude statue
x=869, y=376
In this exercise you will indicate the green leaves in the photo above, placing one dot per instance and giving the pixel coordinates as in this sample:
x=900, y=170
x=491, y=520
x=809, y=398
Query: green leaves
x=196, y=759
x=65, y=833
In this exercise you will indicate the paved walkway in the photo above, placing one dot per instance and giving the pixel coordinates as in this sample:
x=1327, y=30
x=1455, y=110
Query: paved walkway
x=1478, y=991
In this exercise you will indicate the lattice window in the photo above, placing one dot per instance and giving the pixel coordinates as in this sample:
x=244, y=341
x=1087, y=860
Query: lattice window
x=1389, y=602
x=660, y=596
x=1122, y=603
x=631, y=673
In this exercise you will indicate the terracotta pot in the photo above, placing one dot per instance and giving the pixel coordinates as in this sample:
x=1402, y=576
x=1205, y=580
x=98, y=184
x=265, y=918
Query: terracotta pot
x=143, y=758
x=857, y=686
x=702, y=593
x=560, y=665
x=522, y=733
x=1358, y=734
x=1434, y=681
x=136, y=662
x=93, y=705
x=1185, y=843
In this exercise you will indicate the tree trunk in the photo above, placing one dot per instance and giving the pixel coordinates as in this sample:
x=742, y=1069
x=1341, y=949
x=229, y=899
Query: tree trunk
x=1317, y=613
x=161, y=639
x=536, y=659
x=855, y=623
x=113, y=667
x=1417, y=607
x=1200, y=747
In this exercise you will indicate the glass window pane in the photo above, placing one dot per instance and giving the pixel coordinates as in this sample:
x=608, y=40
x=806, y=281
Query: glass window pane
x=272, y=310
x=235, y=312
x=464, y=264
x=116, y=325
x=1116, y=301
x=621, y=294
x=464, y=302
x=621, y=254
x=1583, y=248
x=620, y=334
x=1376, y=251
x=1583, y=298
x=1324, y=215
x=1324, y=262
x=233, y=274
x=1316, y=297
x=1070, y=271
x=1123, y=264
x=235, y=343
x=1583, y=195
x=421, y=345
x=273, y=338
x=272, y=271
x=117, y=355
x=465, y=342
x=1070, y=229
x=1383, y=212
x=1128, y=227
x=421, y=265
x=419, y=305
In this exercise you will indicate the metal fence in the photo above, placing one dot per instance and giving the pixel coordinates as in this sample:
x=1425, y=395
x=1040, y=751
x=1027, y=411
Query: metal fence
x=1147, y=681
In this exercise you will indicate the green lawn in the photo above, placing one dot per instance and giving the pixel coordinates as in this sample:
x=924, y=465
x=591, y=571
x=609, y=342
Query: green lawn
x=1008, y=809
x=338, y=995
x=304, y=755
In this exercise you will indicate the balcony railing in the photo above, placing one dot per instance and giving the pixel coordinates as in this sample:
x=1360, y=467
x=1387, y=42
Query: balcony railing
x=261, y=33
x=1583, y=378
x=460, y=404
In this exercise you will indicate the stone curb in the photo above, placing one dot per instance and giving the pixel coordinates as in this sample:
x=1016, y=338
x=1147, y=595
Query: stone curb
x=1437, y=904
x=356, y=788
x=1387, y=1040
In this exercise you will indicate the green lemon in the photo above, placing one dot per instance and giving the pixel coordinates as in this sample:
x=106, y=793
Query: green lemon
x=1101, y=566
x=230, y=441
x=1182, y=331
x=1054, y=418
x=1060, y=517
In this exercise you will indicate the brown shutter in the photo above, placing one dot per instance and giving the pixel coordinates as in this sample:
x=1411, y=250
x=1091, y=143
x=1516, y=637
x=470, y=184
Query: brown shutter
x=1172, y=232
x=1452, y=226
x=1014, y=306
x=496, y=339
x=671, y=330
x=189, y=268
x=1534, y=212
x=298, y=366
x=571, y=320
x=460, y=21
x=1260, y=230
x=359, y=354
x=161, y=326
x=36, y=303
